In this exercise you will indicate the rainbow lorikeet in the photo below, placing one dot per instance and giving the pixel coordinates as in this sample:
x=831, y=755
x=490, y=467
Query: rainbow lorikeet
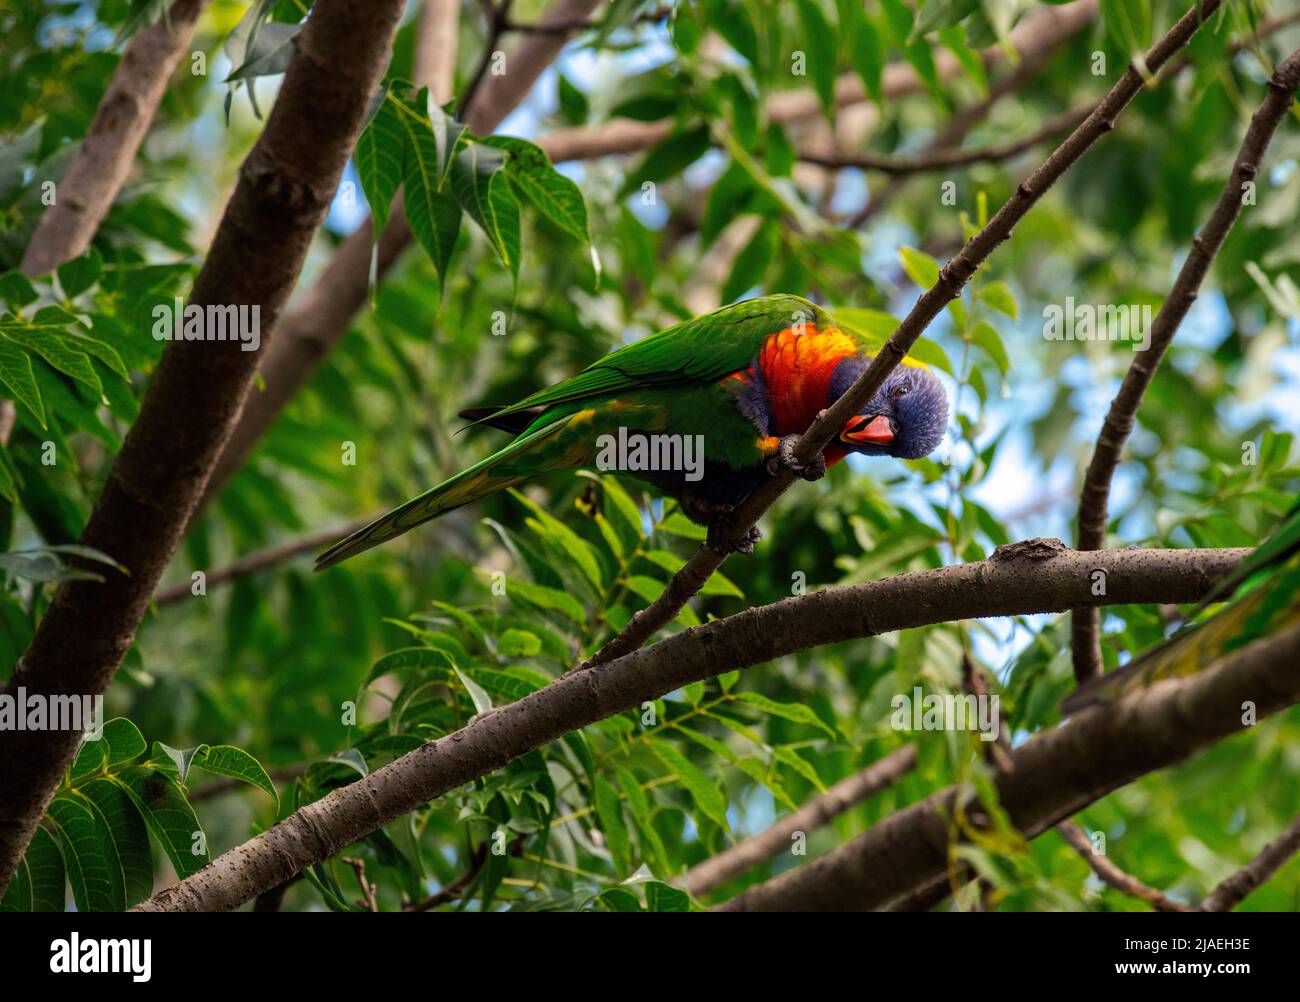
x=1262, y=595
x=725, y=396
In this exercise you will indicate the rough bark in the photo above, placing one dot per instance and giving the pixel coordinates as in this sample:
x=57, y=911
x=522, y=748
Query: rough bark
x=284, y=189
x=687, y=582
x=1094, y=498
x=1028, y=577
x=1054, y=775
x=101, y=165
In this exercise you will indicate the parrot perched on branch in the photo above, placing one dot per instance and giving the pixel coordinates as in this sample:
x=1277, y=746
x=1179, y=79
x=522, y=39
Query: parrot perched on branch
x=1262, y=595
x=743, y=382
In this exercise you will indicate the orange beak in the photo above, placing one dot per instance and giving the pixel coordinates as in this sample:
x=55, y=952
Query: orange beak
x=861, y=430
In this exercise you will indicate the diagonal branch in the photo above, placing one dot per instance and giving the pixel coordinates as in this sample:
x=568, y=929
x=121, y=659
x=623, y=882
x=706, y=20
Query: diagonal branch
x=1233, y=891
x=285, y=186
x=1054, y=775
x=1029, y=577
x=1094, y=498
x=687, y=582
x=818, y=812
x=101, y=165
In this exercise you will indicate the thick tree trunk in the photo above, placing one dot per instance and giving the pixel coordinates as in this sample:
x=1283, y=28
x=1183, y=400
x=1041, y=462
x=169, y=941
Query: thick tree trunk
x=284, y=189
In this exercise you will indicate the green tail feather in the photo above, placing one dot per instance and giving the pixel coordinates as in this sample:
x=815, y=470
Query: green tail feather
x=470, y=485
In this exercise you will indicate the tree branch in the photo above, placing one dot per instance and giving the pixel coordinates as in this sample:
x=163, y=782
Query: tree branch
x=101, y=164
x=284, y=189
x=818, y=812
x=252, y=563
x=1094, y=498
x=1030, y=577
x=1233, y=891
x=936, y=159
x=1111, y=874
x=901, y=165
x=1054, y=775
x=687, y=582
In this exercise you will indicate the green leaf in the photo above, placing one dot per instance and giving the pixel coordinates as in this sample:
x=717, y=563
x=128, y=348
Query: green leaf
x=515, y=643
x=379, y=158
x=169, y=816
x=477, y=694
x=60, y=352
x=609, y=808
x=661, y=897
x=984, y=336
x=38, y=883
x=553, y=194
x=619, y=899
x=434, y=215
x=669, y=159
x=19, y=380
x=678, y=524
x=999, y=296
x=235, y=763
x=125, y=838
x=411, y=657
x=88, y=869
x=481, y=187
x=880, y=326
x=752, y=262
x=920, y=267
x=550, y=599
x=176, y=762
x=819, y=38
x=79, y=274
x=704, y=792
x=799, y=764
x=798, y=712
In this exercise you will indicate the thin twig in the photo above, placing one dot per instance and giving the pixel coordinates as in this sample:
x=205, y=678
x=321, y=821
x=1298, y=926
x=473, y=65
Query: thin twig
x=368, y=900
x=901, y=166
x=496, y=16
x=1234, y=890
x=258, y=561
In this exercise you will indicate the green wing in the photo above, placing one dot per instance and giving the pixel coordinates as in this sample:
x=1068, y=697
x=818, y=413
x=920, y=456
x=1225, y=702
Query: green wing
x=1262, y=593
x=701, y=350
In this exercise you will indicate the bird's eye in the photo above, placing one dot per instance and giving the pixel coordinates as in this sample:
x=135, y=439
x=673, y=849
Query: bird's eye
x=901, y=392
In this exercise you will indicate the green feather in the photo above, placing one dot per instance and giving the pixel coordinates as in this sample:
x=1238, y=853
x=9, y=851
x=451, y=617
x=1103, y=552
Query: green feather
x=500, y=470
x=702, y=350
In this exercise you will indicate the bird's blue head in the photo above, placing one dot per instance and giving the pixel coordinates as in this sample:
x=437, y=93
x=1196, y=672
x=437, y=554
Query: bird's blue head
x=906, y=418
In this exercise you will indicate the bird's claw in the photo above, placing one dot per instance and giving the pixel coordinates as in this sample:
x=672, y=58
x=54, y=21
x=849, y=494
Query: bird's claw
x=786, y=458
x=721, y=542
